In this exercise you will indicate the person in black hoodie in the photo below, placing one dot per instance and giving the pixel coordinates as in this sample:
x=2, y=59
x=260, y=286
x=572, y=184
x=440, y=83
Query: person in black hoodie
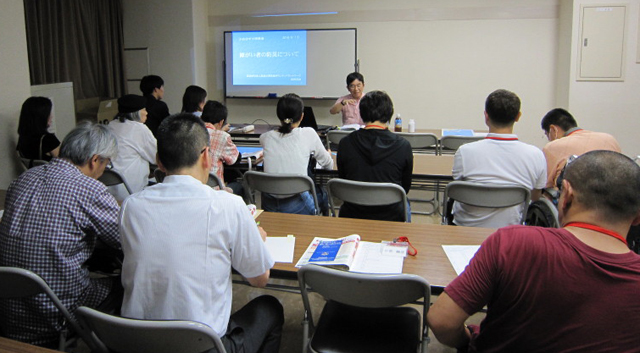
x=375, y=154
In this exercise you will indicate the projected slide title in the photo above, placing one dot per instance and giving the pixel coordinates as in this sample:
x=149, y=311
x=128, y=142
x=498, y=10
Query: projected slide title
x=270, y=58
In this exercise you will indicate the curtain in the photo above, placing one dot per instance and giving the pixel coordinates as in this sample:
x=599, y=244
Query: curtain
x=79, y=41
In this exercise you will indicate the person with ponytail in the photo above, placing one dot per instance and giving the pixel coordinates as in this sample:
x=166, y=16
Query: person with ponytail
x=288, y=151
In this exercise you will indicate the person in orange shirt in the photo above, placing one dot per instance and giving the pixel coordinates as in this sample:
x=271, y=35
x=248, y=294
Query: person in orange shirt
x=567, y=139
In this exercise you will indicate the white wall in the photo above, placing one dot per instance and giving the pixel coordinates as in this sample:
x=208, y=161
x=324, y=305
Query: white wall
x=167, y=29
x=437, y=62
x=438, y=59
x=612, y=107
x=15, y=88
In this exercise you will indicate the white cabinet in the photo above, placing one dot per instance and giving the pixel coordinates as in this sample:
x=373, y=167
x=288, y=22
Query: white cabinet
x=602, y=43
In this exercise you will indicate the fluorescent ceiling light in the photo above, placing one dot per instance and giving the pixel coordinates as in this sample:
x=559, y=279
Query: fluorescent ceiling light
x=298, y=14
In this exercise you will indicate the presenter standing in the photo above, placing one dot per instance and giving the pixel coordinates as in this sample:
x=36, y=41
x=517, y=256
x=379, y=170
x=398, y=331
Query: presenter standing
x=349, y=105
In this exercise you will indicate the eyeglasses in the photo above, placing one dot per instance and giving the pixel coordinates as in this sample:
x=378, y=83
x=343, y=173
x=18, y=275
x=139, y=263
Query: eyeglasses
x=109, y=165
x=204, y=149
x=359, y=85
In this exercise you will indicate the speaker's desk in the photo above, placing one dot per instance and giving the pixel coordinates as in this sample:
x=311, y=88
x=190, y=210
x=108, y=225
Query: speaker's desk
x=431, y=262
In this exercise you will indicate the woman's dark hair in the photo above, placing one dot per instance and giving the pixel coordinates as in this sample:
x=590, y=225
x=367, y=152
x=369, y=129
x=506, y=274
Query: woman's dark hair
x=34, y=116
x=214, y=112
x=289, y=111
x=192, y=98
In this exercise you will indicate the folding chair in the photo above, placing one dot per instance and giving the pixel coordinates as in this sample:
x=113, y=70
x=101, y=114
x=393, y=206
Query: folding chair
x=279, y=184
x=159, y=175
x=214, y=182
x=30, y=163
x=20, y=283
x=148, y=336
x=421, y=142
x=366, y=194
x=485, y=195
x=334, y=137
x=542, y=213
x=110, y=178
x=450, y=144
x=363, y=313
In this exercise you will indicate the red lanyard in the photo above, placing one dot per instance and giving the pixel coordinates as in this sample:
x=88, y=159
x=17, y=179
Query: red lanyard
x=375, y=127
x=502, y=138
x=597, y=229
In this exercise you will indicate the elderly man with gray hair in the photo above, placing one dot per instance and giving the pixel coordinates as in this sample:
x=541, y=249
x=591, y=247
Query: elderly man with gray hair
x=54, y=216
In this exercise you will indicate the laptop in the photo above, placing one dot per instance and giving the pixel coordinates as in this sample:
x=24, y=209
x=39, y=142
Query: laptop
x=309, y=120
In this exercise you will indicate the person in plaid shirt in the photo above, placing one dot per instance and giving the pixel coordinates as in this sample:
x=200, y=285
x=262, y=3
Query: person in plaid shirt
x=221, y=147
x=54, y=216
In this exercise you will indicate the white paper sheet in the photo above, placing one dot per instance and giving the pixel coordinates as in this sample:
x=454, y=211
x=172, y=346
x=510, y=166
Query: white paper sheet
x=281, y=248
x=369, y=259
x=460, y=255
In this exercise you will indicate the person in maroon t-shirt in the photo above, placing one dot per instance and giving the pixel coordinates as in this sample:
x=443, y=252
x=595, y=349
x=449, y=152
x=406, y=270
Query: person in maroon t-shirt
x=556, y=290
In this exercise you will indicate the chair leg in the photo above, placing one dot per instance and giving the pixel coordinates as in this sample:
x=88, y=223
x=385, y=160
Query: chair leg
x=305, y=335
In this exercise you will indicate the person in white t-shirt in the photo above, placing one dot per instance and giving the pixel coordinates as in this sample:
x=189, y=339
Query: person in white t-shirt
x=181, y=239
x=136, y=145
x=498, y=159
x=287, y=151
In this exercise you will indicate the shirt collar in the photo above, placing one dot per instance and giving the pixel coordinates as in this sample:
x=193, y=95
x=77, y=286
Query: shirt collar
x=181, y=179
x=502, y=136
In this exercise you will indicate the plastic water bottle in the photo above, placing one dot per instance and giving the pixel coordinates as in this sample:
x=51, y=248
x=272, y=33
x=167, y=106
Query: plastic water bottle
x=398, y=124
x=412, y=125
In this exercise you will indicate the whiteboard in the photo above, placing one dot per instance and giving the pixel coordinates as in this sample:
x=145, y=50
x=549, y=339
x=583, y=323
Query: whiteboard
x=316, y=61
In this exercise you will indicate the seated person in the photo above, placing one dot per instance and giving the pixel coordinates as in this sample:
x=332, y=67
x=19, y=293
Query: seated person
x=34, y=140
x=136, y=144
x=222, y=149
x=287, y=151
x=498, y=159
x=181, y=239
x=550, y=289
x=54, y=216
x=567, y=139
x=193, y=100
x=375, y=154
x=152, y=88
x=349, y=105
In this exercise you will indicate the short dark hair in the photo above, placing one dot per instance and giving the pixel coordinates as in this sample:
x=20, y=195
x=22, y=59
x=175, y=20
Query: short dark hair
x=34, y=116
x=608, y=182
x=192, y=97
x=214, y=112
x=376, y=106
x=149, y=83
x=289, y=111
x=354, y=76
x=181, y=137
x=559, y=117
x=503, y=107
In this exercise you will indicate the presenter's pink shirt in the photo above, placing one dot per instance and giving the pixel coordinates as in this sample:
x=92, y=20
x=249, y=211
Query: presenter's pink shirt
x=350, y=112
